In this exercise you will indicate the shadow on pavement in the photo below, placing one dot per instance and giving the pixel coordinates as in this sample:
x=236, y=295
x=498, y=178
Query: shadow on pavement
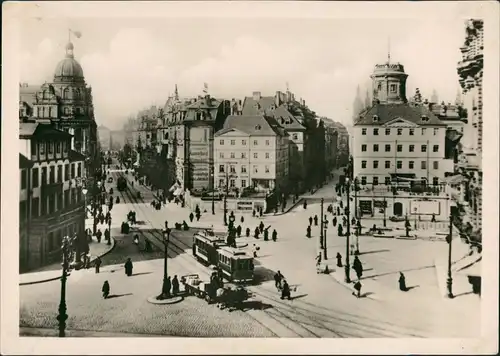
x=367, y=294
x=298, y=296
x=263, y=274
x=118, y=295
x=394, y=272
x=374, y=251
x=410, y=288
x=139, y=274
x=255, y=305
x=463, y=293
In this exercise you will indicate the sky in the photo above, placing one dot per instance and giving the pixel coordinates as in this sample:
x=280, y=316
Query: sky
x=133, y=63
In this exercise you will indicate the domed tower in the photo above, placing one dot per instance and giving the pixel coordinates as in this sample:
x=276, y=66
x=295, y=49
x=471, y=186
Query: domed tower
x=389, y=83
x=69, y=70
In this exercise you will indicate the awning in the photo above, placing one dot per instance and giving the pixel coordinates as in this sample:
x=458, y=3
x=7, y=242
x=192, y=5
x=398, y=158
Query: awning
x=467, y=262
x=455, y=179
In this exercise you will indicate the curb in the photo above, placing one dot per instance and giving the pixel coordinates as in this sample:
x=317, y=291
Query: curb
x=297, y=203
x=172, y=300
x=59, y=277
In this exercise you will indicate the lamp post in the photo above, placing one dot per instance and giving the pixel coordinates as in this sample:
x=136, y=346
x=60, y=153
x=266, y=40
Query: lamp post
x=84, y=192
x=213, y=189
x=166, y=240
x=449, y=280
x=325, y=249
x=321, y=238
x=347, y=267
x=109, y=229
x=385, y=207
x=66, y=254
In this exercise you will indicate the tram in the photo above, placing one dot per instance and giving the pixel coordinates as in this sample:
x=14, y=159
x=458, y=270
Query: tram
x=121, y=184
x=236, y=265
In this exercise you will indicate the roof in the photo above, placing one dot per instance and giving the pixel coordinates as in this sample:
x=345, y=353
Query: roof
x=30, y=129
x=75, y=156
x=24, y=162
x=389, y=112
x=249, y=105
x=453, y=135
x=253, y=125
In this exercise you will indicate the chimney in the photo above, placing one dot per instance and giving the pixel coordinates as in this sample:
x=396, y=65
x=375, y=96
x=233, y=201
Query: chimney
x=207, y=100
x=288, y=96
x=277, y=99
x=256, y=95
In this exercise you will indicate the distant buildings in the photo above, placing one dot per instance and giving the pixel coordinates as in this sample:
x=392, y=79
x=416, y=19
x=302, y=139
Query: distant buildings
x=104, y=135
x=52, y=194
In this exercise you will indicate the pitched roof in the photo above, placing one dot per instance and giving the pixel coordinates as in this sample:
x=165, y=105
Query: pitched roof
x=389, y=112
x=266, y=105
x=253, y=125
x=249, y=105
x=24, y=162
x=30, y=129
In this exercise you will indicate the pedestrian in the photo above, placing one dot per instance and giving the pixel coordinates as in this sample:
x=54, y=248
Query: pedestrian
x=357, y=266
x=318, y=259
x=353, y=221
x=97, y=264
x=98, y=235
x=185, y=225
x=339, y=259
x=256, y=233
x=277, y=280
x=357, y=288
x=308, y=231
x=402, y=282
x=107, y=235
x=136, y=240
x=275, y=235
x=247, y=232
x=266, y=235
x=242, y=220
x=105, y=289
x=341, y=203
x=315, y=220
x=305, y=204
x=117, y=200
x=310, y=221
x=433, y=219
x=175, y=286
x=255, y=249
x=167, y=285
x=253, y=213
x=198, y=215
x=238, y=230
x=285, y=291
x=191, y=217
x=128, y=267
x=334, y=221
x=340, y=230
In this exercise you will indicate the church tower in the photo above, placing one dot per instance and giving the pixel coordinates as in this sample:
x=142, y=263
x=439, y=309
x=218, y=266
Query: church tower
x=389, y=83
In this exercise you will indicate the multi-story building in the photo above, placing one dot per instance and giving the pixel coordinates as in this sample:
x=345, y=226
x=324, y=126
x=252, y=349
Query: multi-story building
x=398, y=143
x=331, y=144
x=470, y=72
x=67, y=103
x=51, y=196
x=117, y=140
x=251, y=152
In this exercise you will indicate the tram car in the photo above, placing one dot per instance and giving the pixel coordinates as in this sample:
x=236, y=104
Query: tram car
x=121, y=184
x=210, y=249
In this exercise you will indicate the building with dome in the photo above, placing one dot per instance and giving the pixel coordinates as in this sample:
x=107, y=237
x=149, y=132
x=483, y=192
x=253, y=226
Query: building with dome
x=67, y=104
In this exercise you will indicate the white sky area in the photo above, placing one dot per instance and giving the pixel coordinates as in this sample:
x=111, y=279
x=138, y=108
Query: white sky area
x=134, y=63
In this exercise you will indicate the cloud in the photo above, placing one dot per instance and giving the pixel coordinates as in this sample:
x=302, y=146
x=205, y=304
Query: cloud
x=39, y=65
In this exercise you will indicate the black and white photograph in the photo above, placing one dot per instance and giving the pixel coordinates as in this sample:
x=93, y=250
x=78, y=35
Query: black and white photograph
x=250, y=170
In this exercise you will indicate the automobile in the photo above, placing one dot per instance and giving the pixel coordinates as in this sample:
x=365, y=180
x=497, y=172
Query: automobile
x=110, y=180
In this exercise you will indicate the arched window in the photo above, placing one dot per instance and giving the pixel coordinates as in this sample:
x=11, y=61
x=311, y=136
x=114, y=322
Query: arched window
x=50, y=111
x=65, y=93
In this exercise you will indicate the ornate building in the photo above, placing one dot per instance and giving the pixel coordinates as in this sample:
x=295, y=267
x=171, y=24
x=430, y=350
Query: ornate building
x=67, y=104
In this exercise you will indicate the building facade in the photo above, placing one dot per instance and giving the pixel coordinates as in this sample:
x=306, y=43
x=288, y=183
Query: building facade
x=104, y=135
x=51, y=196
x=251, y=153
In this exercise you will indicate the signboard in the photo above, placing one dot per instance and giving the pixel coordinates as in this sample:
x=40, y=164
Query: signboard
x=200, y=175
x=425, y=207
x=244, y=205
x=198, y=152
x=380, y=204
x=199, y=134
x=365, y=206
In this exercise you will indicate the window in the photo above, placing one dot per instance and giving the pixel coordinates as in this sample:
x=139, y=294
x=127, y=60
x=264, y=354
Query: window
x=79, y=170
x=363, y=148
x=52, y=175
x=267, y=142
x=423, y=165
x=221, y=182
x=375, y=164
x=232, y=169
x=267, y=154
x=255, y=155
x=255, y=169
x=399, y=148
x=435, y=132
x=243, y=169
x=412, y=132
x=255, y=142
x=58, y=147
x=244, y=142
x=393, y=88
x=33, y=148
x=387, y=164
x=411, y=164
x=35, y=207
x=24, y=180
x=387, y=131
x=34, y=179
x=375, y=148
x=232, y=155
x=66, y=198
x=400, y=132
x=221, y=154
x=399, y=164
x=41, y=146
x=66, y=172
x=423, y=148
x=423, y=131
x=375, y=132
x=59, y=174
x=363, y=180
x=44, y=175
x=221, y=142
x=387, y=148
x=435, y=165
x=50, y=148
x=387, y=180
x=243, y=183
x=267, y=169
x=375, y=180
x=363, y=131
x=411, y=148
x=363, y=164
x=435, y=148
x=72, y=170
x=243, y=155
x=59, y=201
x=221, y=168
x=52, y=203
x=435, y=180
x=232, y=183
x=295, y=136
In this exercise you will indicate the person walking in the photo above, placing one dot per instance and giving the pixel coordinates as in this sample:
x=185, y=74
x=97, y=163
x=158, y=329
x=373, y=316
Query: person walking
x=310, y=221
x=105, y=289
x=256, y=232
x=238, y=230
x=285, y=291
x=305, y=204
x=191, y=217
x=308, y=231
x=175, y=286
x=278, y=277
x=261, y=227
x=247, y=232
x=315, y=220
x=357, y=289
x=275, y=235
x=402, y=282
x=98, y=235
x=128, y=267
x=357, y=266
x=266, y=235
x=97, y=264
x=339, y=259
x=242, y=220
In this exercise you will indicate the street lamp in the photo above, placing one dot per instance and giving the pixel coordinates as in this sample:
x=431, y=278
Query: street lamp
x=449, y=238
x=166, y=239
x=347, y=271
x=213, y=189
x=109, y=231
x=321, y=239
x=325, y=226
x=67, y=252
x=84, y=192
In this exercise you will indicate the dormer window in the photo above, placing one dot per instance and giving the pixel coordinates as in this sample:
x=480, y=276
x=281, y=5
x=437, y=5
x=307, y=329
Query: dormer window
x=282, y=121
x=425, y=118
x=375, y=118
x=258, y=127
